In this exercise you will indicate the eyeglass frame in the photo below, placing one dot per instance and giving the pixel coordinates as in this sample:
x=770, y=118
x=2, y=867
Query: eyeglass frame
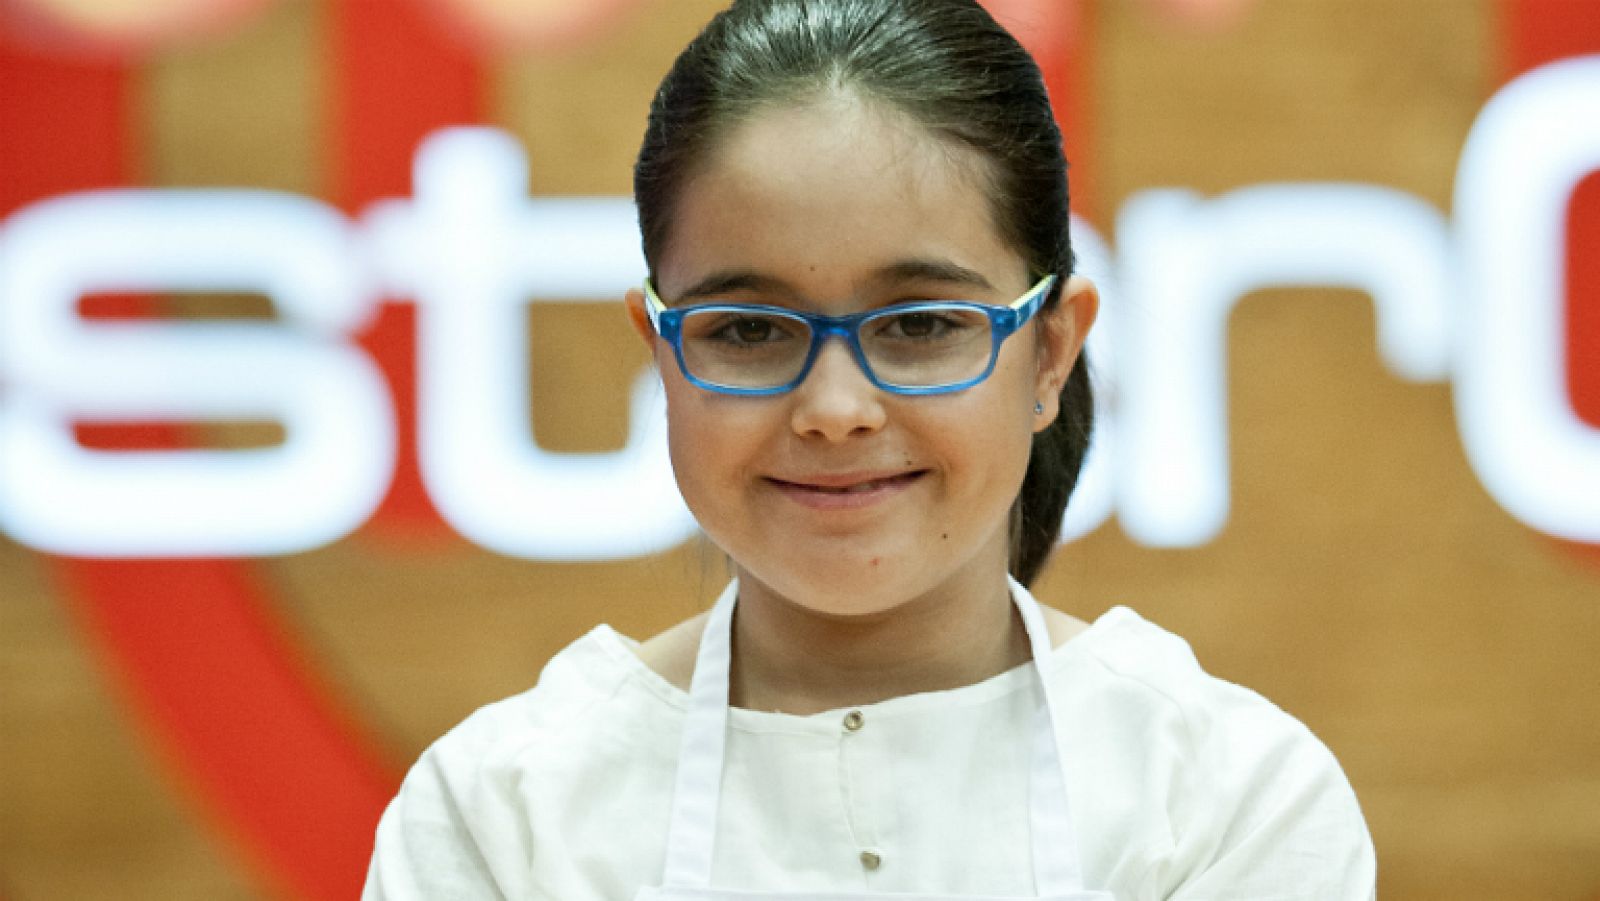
x=1004, y=321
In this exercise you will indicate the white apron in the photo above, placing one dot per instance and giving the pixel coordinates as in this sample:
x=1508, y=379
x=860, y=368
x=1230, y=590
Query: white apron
x=691, y=833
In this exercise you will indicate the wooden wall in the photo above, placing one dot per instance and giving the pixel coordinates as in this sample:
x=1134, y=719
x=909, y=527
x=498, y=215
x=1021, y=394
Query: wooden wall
x=1365, y=580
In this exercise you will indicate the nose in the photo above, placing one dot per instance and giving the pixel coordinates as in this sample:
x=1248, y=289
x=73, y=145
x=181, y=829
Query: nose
x=836, y=401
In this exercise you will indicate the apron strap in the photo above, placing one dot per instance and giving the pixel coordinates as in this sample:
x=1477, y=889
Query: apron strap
x=697, y=794
x=1056, y=868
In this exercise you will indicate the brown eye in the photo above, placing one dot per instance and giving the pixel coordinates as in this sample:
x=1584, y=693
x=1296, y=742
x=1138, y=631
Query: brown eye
x=917, y=325
x=752, y=331
x=921, y=326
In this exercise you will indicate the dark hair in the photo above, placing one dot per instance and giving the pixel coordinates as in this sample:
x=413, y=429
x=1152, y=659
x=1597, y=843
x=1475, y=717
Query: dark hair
x=949, y=66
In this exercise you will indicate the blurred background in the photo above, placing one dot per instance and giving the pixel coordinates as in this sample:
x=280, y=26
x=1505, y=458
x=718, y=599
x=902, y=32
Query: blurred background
x=321, y=425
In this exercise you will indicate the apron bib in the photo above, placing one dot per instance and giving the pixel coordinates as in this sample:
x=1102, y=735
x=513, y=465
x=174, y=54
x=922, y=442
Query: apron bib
x=691, y=833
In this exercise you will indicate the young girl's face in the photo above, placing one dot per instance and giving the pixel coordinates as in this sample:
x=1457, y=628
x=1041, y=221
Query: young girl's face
x=839, y=496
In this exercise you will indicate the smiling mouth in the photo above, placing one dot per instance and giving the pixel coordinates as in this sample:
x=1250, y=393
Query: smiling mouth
x=862, y=487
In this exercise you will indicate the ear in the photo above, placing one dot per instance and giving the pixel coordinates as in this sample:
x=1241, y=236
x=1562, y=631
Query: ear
x=1062, y=331
x=640, y=319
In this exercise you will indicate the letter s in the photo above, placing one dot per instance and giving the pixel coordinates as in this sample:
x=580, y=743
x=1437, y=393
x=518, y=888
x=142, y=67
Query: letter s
x=56, y=368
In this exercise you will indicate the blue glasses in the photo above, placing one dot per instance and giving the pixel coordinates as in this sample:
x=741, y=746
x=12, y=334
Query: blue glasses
x=927, y=347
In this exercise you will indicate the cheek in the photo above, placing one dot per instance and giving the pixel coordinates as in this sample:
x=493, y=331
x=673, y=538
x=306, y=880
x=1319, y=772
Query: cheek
x=711, y=443
x=689, y=433
x=998, y=454
x=988, y=427
x=1005, y=438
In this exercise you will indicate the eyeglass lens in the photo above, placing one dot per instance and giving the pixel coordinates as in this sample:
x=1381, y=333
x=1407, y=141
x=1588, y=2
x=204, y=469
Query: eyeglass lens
x=910, y=346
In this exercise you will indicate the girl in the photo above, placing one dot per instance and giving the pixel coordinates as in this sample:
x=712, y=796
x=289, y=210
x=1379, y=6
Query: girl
x=863, y=308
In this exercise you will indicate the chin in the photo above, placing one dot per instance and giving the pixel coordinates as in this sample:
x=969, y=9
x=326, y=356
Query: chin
x=843, y=588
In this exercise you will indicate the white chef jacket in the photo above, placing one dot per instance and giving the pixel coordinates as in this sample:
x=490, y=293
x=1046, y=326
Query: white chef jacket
x=1184, y=787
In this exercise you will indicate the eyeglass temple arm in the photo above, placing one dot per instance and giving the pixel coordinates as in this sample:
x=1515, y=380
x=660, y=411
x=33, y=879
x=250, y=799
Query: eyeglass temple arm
x=653, y=307
x=1029, y=303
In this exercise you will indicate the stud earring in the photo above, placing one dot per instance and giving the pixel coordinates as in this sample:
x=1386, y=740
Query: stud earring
x=1038, y=408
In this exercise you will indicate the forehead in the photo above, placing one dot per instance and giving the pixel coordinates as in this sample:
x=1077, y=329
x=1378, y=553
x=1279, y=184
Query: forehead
x=824, y=193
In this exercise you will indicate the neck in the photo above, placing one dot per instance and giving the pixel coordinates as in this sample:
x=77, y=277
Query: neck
x=793, y=659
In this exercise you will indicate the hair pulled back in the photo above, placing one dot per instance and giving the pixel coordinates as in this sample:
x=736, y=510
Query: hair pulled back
x=949, y=66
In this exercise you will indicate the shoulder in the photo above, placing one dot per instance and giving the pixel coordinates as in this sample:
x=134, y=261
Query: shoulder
x=459, y=821
x=577, y=683
x=1239, y=798
x=1152, y=674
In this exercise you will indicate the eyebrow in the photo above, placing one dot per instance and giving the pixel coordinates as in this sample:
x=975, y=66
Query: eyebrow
x=932, y=270
x=908, y=270
x=729, y=281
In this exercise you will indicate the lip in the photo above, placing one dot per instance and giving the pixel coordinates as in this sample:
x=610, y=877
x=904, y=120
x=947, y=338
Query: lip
x=846, y=491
